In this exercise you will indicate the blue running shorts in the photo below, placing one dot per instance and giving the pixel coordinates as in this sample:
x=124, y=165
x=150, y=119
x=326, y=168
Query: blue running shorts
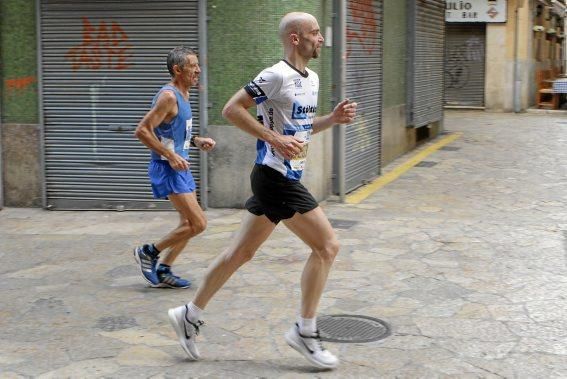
x=165, y=180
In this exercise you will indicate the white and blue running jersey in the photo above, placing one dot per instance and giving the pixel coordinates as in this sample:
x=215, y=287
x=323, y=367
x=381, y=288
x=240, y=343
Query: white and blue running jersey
x=286, y=102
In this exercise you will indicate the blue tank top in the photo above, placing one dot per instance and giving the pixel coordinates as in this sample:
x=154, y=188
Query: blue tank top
x=175, y=135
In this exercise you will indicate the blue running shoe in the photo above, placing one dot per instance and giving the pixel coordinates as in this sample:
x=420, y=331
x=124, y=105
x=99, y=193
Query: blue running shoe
x=148, y=263
x=168, y=280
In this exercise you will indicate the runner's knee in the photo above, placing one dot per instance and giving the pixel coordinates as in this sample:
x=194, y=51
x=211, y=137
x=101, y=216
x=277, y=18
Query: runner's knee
x=194, y=227
x=200, y=225
x=328, y=252
x=241, y=255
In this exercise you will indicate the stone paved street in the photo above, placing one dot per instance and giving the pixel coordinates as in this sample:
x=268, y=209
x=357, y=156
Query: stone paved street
x=466, y=260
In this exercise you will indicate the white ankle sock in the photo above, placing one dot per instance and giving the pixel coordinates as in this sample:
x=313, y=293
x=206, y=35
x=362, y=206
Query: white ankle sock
x=307, y=326
x=193, y=312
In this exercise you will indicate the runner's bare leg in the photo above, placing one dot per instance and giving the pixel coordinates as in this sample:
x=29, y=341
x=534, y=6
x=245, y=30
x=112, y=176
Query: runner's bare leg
x=254, y=230
x=314, y=229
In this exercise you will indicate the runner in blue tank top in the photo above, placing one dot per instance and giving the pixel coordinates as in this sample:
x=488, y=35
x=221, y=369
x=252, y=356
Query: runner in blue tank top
x=166, y=130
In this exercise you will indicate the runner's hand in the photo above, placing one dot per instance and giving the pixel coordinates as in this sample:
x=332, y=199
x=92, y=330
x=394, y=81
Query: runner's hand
x=205, y=143
x=344, y=112
x=177, y=162
x=288, y=146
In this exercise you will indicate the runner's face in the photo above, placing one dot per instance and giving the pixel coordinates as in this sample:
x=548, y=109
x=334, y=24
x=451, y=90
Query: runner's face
x=191, y=70
x=311, y=40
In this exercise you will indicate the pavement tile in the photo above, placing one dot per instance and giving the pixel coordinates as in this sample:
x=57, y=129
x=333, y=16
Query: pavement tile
x=465, y=260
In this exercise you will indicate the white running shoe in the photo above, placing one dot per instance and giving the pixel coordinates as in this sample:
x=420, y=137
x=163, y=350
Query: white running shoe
x=186, y=330
x=311, y=348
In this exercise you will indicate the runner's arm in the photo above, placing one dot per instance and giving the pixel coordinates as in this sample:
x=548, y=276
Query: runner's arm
x=164, y=109
x=343, y=113
x=236, y=112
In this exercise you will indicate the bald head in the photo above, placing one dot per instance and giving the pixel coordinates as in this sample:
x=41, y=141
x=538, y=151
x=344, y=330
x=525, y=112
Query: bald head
x=294, y=22
x=301, y=36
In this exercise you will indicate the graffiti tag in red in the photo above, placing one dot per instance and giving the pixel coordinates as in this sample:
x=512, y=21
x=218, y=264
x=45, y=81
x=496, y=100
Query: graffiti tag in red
x=363, y=28
x=19, y=84
x=102, y=47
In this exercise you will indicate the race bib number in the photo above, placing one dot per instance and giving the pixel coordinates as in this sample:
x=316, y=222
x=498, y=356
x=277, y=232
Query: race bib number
x=188, y=130
x=168, y=144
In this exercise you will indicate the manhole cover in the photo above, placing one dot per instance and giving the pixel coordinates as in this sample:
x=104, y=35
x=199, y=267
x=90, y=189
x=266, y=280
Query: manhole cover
x=342, y=224
x=450, y=148
x=426, y=164
x=352, y=328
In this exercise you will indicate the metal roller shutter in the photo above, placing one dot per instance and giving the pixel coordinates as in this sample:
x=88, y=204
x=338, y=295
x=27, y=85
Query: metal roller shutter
x=364, y=85
x=465, y=64
x=426, y=43
x=102, y=62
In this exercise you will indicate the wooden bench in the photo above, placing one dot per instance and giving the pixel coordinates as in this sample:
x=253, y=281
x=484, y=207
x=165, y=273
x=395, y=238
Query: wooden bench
x=545, y=97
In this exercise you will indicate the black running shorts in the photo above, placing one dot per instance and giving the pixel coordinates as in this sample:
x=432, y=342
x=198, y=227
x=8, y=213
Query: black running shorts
x=276, y=196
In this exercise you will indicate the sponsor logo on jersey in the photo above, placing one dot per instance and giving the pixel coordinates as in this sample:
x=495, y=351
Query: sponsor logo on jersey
x=271, y=118
x=301, y=112
x=255, y=92
x=271, y=126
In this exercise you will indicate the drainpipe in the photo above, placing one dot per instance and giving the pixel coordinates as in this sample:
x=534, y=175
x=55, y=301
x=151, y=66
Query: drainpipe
x=1, y=129
x=517, y=77
x=1, y=163
x=41, y=116
x=203, y=100
x=339, y=93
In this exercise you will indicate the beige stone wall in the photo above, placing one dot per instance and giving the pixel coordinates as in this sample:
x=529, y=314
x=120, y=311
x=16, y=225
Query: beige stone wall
x=499, y=69
x=501, y=57
x=397, y=139
x=233, y=159
x=21, y=159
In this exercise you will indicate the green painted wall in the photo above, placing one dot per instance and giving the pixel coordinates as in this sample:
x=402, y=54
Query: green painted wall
x=243, y=40
x=18, y=60
x=395, y=52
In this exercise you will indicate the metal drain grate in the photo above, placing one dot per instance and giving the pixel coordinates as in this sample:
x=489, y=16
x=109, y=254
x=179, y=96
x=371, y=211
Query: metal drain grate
x=342, y=224
x=450, y=148
x=426, y=164
x=352, y=328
